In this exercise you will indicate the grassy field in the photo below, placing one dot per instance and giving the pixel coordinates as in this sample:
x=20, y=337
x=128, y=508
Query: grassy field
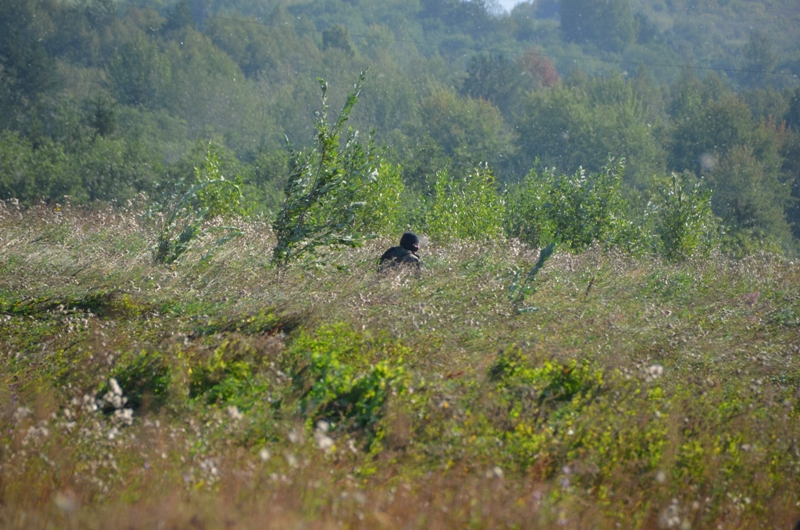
x=219, y=393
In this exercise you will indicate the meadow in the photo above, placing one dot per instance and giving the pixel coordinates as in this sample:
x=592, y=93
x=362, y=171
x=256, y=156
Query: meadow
x=220, y=392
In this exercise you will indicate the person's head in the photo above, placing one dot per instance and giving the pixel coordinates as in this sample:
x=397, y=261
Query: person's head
x=410, y=241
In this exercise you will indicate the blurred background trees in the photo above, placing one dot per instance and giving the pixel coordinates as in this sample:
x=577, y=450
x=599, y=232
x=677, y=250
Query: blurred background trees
x=102, y=101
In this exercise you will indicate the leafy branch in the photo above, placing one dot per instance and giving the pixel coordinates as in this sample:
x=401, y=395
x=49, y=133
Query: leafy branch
x=322, y=193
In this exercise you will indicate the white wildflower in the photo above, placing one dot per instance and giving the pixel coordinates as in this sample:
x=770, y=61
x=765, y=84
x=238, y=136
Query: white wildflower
x=209, y=466
x=295, y=437
x=653, y=372
x=21, y=413
x=123, y=416
x=233, y=412
x=324, y=441
x=114, y=395
x=264, y=454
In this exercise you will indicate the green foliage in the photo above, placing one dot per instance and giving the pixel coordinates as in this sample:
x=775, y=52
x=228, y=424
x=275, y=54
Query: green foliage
x=468, y=208
x=255, y=48
x=383, y=211
x=575, y=210
x=609, y=25
x=145, y=379
x=27, y=69
x=469, y=131
x=684, y=222
x=337, y=36
x=347, y=377
x=759, y=60
x=494, y=78
x=537, y=399
x=749, y=196
x=227, y=375
x=182, y=217
x=322, y=194
x=27, y=173
x=140, y=73
x=580, y=126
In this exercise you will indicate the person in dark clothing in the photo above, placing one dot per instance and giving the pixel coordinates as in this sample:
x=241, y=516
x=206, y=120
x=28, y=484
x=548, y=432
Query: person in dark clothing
x=406, y=253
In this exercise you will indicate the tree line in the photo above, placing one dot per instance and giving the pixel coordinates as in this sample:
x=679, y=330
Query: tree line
x=103, y=101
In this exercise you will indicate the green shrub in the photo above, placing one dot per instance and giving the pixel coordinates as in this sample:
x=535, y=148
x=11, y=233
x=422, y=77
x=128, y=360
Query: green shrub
x=228, y=375
x=322, y=194
x=466, y=209
x=684, y=222
x=145, y=380
x=533, y=401
x=382, y=211
x=182, y=217
x=576, y=210
x=346, y=377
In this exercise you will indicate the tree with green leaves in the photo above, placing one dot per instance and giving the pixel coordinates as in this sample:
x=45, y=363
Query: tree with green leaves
x=580, y=126
x=182, y=217
x=494, y=78
x=684, y=223
x=322, y=193
x=609, y=24
x=338, y=37
x=468, y=208
x=576, y=210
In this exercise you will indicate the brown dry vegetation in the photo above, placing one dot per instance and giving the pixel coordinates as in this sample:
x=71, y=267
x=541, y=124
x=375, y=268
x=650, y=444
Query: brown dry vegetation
x=638, y=394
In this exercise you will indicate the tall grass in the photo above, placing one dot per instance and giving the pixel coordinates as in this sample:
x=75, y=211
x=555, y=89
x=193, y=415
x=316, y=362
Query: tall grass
x=640, y=394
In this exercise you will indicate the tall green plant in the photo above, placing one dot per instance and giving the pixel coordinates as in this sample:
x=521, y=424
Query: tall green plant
x=183, y=217
x=381, y=195
x=322, y=194
x=466, y=209
x=684, y=221
x=576, y=209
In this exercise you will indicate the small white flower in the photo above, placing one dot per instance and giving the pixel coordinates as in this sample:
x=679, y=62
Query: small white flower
x=264, y=454
x=124, y=416
x=295, y=437
x=233, y=412
x=324, y=441
x=655, y=371
x=21, y=413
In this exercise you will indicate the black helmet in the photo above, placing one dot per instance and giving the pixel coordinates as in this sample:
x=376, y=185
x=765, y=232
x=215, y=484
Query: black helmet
x=409, y=240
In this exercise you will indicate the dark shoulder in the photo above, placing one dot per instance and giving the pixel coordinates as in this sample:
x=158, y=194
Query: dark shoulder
x=400, y=255
x=394, y=254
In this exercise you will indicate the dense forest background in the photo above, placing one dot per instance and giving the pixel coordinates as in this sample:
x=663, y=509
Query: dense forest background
x=104, y=100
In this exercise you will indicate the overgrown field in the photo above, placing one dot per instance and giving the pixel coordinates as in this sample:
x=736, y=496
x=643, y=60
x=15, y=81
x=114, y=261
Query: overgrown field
x=217, y=393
